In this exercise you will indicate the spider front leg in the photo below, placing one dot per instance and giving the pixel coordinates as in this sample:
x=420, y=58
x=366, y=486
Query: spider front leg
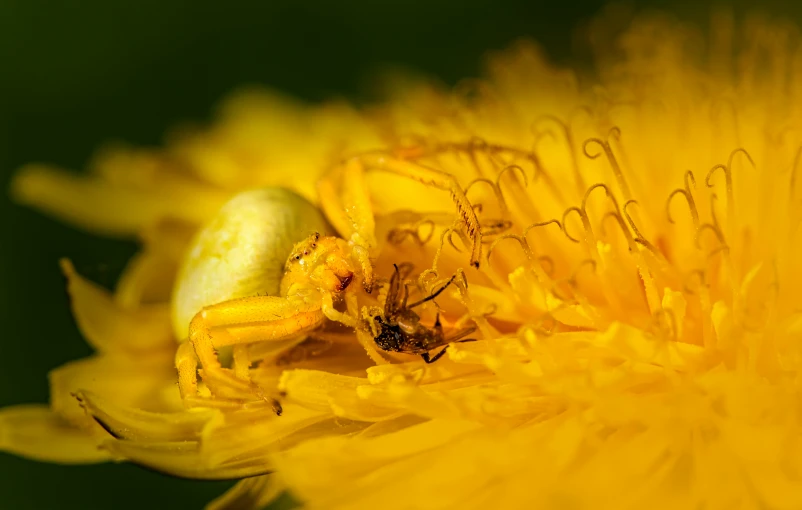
x=237, y=322
x=434, y=178
x=345, y=200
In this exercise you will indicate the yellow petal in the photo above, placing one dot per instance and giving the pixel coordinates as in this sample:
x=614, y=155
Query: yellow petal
x=138, y=383
x=331, y=466
x=251, y=435
x=253, y=493
x=101, y=207
x=36, y=432
x=109, y=327
x=311, y=388
x=181, y=459
x=148, y=278
x=135, y=424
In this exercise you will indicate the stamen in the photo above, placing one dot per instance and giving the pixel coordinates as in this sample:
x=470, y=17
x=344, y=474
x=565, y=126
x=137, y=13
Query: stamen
x=573, y=284
x=541, y=274
x=727, y=169
x=794, y=170
x=425, y=238
x=451, y=240
x=689, y=178
x=580, y=266
x=436, y=259
x=666, y=315
x=550, y=261
x=510, y=168
x=521, y=240
x=398, y=235
x=717, y=232
x=715, y=110
x=491, y=229
x=700, y=276
x=639, y=238
x=555, y=290
x=582, y=216
x=461, y=282
x=606, y=190
x=496, y=191
x=713, y=215
x=624, y=229
x=608, y=151
x=540, y=173
x=541, y=224
x=544, y=325
x=569, y=141
x=652, y=296
x=476, y=144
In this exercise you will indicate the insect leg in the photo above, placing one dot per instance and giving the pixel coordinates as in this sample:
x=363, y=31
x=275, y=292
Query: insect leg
x=438, y=327
x=433, y=294
x=457, y=336
x=434, y=358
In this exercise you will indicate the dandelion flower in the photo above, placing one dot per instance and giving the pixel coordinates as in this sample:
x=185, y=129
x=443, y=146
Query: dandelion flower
x=636, y=308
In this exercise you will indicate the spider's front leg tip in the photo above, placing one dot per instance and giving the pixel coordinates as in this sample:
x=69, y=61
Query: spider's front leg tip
x=368, y=285
x=273, y=402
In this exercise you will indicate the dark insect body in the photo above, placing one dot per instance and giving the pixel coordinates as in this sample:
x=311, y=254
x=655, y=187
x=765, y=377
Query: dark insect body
x=400, y=330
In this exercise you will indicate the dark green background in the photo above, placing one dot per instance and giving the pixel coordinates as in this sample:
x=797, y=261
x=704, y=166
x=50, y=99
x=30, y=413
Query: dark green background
x=76, y=74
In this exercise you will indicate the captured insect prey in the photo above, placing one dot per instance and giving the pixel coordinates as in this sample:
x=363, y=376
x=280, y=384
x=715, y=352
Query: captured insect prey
x=399, y=329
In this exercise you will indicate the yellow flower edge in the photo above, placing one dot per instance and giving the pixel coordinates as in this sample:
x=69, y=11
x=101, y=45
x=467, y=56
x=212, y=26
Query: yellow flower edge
x=641, y=351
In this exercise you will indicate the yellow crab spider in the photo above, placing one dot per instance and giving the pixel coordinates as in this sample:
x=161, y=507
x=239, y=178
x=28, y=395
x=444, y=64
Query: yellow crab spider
x=317, y=273
x=236, y=270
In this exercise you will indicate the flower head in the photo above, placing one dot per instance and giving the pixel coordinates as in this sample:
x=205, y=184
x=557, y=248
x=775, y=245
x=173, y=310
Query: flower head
x=635, y=309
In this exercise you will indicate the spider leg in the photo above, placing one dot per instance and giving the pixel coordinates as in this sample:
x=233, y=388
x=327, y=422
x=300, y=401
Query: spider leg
x=436, y=179
x=345, y=200
x=237, y=322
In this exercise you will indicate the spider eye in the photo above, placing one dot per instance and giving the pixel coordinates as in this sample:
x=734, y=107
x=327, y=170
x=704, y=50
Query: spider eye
x=306, y=252
x=297, y=257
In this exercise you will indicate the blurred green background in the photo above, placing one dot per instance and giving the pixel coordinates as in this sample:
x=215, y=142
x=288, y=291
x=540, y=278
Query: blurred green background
x=76, y=74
